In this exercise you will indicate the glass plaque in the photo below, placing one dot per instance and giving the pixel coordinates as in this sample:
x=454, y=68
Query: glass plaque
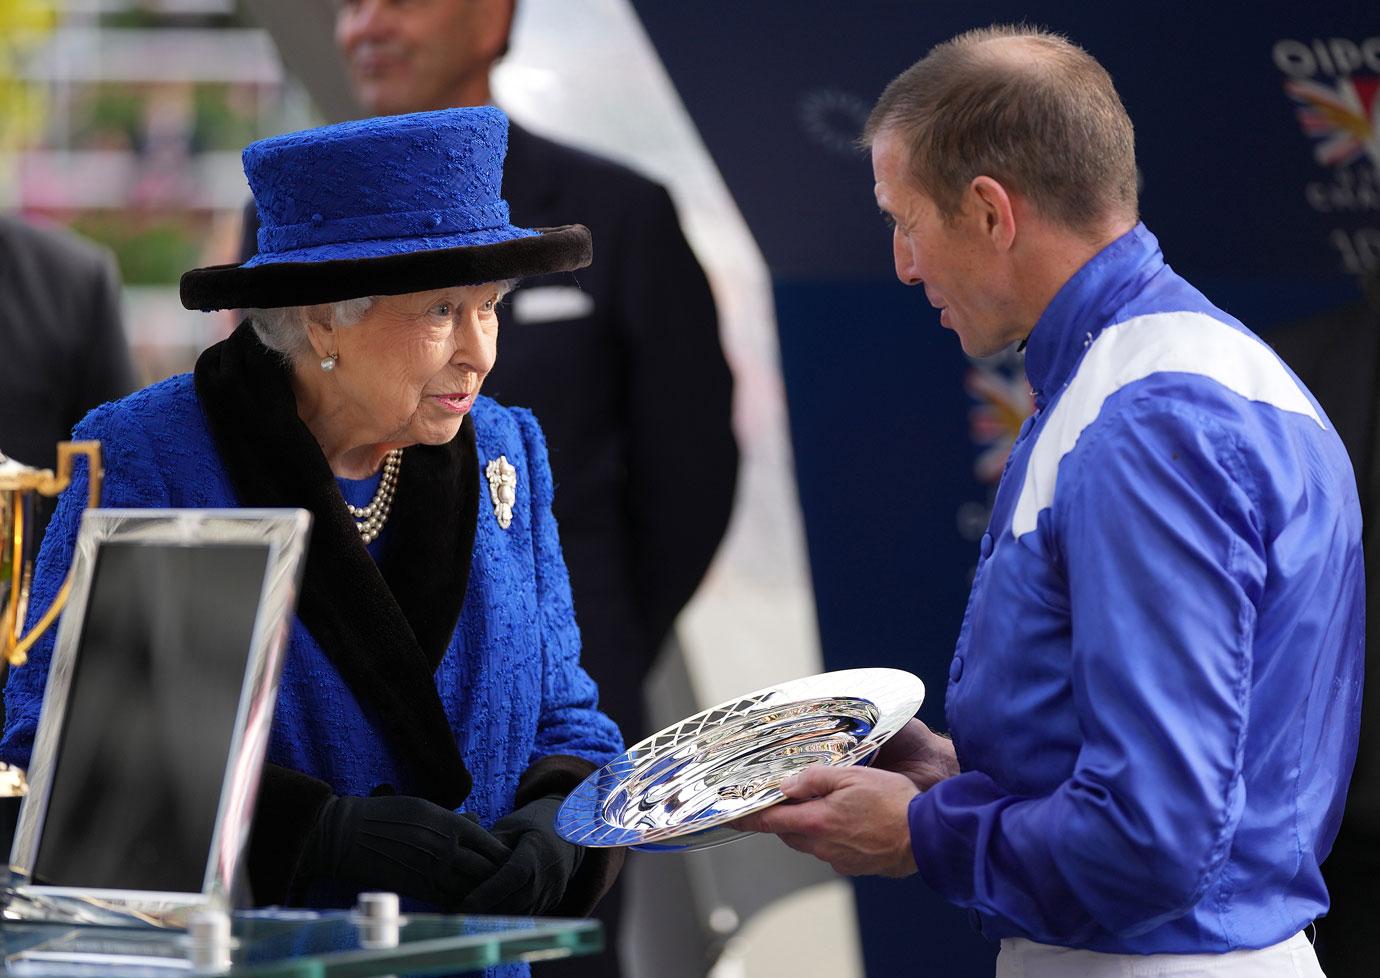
x=156, y=714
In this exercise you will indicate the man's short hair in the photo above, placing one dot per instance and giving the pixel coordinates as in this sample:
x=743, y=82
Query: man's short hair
x=1024, y=106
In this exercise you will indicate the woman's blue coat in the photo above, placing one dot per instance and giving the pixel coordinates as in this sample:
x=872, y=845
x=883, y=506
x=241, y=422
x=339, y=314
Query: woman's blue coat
x=510, y=680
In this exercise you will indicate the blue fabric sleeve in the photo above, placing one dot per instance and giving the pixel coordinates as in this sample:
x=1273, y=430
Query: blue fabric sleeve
x=1161, y=548
x=131, y=481
x=570, y=723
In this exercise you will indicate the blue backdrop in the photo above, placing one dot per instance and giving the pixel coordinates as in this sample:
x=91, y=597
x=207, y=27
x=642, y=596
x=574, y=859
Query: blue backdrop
x=1257, y=140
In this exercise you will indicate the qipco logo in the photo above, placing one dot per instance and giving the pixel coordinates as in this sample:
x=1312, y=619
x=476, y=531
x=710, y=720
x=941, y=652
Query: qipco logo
x=1335, y=86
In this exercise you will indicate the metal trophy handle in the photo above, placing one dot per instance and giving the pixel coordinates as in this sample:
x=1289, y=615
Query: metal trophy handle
x=17, y=482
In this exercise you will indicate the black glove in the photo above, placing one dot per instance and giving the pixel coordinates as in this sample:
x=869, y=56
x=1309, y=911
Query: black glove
x=534, y=879
x=407, y=845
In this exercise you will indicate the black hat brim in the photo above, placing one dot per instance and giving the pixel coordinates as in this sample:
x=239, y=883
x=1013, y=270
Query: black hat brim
x=273, y=285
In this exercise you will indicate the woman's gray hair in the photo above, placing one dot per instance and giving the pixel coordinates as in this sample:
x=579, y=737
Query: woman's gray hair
x=284, y=330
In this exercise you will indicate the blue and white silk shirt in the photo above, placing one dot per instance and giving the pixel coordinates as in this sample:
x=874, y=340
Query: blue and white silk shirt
x=1156, y=690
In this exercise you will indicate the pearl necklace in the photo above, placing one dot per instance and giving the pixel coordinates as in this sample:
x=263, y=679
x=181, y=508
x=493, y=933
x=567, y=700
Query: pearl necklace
x=369, y=519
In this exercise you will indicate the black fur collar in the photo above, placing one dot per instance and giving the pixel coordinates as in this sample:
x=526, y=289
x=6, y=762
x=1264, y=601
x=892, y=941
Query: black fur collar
x=385, y=627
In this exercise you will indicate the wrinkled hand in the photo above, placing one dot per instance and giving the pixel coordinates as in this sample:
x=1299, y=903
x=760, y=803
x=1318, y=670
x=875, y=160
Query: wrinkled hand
x=920, y=754
x=534, y=878
x=853, y=818
x=403, y=844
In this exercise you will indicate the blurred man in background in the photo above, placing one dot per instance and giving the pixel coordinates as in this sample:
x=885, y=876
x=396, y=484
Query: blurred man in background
x=623, y=366
x=62, y=348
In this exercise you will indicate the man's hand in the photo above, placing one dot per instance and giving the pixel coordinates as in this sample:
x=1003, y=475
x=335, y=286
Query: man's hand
x=920, y=754
x=853, y=818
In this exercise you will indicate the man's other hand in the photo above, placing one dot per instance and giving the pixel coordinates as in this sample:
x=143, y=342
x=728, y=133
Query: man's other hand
x=920, y=754
x=853, y=818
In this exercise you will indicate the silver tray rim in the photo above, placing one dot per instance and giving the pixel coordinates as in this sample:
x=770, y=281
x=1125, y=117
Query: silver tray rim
x=896, y=693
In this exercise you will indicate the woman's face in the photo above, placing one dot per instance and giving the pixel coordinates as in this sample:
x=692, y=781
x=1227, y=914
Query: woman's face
x=408, y=372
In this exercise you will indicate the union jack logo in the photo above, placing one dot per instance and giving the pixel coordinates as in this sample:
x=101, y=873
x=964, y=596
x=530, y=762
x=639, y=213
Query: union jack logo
x=1345, y=120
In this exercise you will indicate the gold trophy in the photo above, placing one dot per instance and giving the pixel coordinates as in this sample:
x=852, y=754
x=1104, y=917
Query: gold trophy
x=18, y=547
x=19, y=540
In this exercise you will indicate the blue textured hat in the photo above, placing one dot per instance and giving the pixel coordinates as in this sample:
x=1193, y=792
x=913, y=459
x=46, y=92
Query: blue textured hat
x=382, y=206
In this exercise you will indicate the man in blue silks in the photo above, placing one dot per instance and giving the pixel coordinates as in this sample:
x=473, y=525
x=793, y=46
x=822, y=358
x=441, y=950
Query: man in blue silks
x=1155, y=695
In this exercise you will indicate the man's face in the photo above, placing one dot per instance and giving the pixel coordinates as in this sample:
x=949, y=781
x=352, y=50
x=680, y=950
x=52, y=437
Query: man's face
x=417, y=55
x=962, y=274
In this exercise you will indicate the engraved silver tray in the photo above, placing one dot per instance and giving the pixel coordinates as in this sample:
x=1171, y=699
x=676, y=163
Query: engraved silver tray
x=676, y=790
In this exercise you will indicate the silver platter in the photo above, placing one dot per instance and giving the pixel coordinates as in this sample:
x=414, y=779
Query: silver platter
x=676, y=790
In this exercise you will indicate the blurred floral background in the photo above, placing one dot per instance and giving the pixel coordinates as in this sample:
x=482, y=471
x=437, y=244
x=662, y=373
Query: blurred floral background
x=123, y=119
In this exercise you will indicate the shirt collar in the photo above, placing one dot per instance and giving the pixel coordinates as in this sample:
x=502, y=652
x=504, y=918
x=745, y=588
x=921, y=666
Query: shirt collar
x=1084, y=306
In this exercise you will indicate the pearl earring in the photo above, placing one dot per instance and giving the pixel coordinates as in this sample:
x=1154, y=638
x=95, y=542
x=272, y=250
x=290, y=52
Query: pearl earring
x=328, y=363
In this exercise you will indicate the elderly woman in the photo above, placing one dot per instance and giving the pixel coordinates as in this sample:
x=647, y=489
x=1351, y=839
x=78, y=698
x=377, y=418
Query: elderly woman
x=432, y=709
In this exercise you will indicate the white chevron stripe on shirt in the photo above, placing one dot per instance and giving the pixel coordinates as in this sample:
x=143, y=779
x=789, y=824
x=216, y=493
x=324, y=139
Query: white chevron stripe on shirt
x=1125, y=352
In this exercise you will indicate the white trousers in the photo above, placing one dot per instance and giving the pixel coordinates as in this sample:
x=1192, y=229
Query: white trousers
x=1293, y=958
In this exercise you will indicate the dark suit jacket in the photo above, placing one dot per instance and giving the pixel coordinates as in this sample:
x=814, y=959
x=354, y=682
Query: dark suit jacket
x=62, y=350
x=1337, y=355
x=621, y=363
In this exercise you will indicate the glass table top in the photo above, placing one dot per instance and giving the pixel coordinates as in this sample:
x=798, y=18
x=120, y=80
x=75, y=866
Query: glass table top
x=299, y=944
